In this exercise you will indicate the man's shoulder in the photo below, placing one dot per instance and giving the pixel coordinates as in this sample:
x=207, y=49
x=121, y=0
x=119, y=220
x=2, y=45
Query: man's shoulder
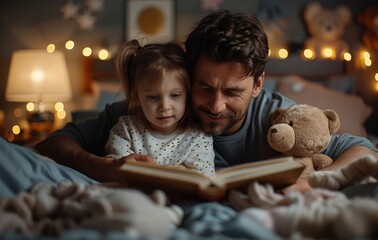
x=275, y=99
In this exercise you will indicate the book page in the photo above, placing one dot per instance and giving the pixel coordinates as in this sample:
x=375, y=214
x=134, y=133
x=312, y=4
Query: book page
x=166, y=172
x=259, y=170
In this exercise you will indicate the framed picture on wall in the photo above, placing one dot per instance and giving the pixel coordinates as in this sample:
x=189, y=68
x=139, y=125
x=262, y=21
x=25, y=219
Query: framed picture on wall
x=152, y=20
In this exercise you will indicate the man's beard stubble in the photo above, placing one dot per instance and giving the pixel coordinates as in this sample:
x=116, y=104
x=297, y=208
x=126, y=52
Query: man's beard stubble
x=213, y=128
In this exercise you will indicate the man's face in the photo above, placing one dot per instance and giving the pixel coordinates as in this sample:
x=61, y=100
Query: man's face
x=221, y=94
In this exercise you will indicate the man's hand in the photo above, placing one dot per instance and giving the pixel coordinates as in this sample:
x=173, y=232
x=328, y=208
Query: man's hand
x=301, y=185
x=135, y=157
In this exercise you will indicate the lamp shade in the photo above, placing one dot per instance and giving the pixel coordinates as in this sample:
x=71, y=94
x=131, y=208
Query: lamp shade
x=38, y=76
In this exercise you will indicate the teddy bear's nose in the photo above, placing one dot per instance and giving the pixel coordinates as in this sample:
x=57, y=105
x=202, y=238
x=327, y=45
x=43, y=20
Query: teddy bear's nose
x=273, y=130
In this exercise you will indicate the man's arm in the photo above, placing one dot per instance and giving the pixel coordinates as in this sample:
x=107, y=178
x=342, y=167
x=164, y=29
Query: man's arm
x=348, y=156
x=66, y=151
x=351, y=155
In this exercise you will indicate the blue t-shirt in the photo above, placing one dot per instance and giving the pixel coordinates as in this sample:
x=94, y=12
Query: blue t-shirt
x=248, y=144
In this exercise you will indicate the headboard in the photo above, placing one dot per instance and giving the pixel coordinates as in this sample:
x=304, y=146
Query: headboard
x=96, y=70
x=322, y=83
x=305, y=68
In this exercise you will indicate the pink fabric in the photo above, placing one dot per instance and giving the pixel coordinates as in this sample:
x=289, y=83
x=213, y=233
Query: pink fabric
x=351, y=108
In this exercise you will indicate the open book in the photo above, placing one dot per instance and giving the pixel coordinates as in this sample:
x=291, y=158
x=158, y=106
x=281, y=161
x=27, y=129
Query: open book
x=279, y=172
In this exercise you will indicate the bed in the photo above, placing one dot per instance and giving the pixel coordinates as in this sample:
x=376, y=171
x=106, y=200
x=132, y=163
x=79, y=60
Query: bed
x=329, y=88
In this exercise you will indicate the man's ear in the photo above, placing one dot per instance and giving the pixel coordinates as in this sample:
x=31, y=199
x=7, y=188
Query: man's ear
x=257, y=86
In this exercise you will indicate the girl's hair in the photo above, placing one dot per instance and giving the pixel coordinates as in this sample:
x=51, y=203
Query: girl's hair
x=138, y=65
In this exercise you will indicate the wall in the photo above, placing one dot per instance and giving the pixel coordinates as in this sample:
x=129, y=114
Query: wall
x=34, y=24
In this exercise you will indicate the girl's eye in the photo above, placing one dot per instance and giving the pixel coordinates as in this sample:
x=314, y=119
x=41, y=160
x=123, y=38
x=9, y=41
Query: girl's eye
x=175, y=95
x=151, y=97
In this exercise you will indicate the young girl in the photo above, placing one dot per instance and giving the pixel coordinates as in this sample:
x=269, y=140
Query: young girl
x=156, y=85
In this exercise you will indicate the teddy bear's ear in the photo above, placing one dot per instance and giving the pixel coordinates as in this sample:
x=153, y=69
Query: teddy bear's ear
x=344, y=13
x=275, y=114
x=311, y=10
x=333, y=120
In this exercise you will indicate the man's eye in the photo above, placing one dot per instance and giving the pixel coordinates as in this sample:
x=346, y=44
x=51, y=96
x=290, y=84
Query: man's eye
x=232, y=93
x=205, y=89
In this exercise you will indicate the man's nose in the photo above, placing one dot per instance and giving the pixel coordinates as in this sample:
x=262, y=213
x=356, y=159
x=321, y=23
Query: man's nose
x=217, y=103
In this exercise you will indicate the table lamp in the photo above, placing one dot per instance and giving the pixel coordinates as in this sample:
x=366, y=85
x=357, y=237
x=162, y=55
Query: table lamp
x=39, y=77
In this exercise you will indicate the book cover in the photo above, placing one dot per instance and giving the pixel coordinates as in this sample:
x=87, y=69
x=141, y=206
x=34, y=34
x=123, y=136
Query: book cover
x=279, y=172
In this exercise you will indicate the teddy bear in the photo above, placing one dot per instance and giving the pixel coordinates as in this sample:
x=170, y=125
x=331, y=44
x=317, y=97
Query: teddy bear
x=303, y=131
x=326, y=28
x=369, y=19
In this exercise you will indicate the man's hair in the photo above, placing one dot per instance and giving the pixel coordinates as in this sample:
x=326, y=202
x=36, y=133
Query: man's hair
x=226, y=36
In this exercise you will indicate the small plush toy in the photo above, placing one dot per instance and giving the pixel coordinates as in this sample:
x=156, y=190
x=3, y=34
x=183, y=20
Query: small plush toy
x=317, y=214
x=326, y=28
x=362, y=169
x=303, y=131
x=369, y=19
x=51, y=211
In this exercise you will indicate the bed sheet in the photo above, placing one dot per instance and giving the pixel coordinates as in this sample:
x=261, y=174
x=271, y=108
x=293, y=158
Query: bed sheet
x=21, y=168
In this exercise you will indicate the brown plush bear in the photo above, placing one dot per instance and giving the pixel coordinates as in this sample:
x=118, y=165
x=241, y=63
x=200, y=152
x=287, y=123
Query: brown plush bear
x=326, y=28
x=303, y=131
x=369, y=19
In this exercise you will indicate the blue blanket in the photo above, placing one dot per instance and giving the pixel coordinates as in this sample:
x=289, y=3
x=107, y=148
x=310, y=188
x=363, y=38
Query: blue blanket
x=21, y=168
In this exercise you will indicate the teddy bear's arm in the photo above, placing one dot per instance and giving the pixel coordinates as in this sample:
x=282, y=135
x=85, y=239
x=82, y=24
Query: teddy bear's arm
x=321, y=161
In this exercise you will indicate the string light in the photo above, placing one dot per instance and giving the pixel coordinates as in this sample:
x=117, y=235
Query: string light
x=283, y=53
x=103, y=54
x=59, y=106
x=308, y=53
x=17, y=112
x=347, y=57
x=16, y=130
x=70, y=44
x=30, y=106
x=87, y=51
x=50, y=48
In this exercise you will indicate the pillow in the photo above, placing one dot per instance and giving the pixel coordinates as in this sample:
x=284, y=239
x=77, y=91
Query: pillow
x=270, y=84
x=107, y=97
x=351, y=108
x=107, y=91
x=22, y=167
x=342, y=83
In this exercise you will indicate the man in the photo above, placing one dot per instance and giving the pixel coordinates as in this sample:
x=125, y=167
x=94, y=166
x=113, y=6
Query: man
x=227, y=53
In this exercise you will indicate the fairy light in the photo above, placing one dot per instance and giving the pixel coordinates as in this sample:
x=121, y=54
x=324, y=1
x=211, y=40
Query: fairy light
x=327, y=53
x=61, y=114
x=283, y=53
x=59, y=106
x=70, y=45
x=87, y=51
x=16, y=130
x=50, y=48
x=347, y=56
x=308, y=53
x=30, y=106
x=103, y=54
x=17, y=112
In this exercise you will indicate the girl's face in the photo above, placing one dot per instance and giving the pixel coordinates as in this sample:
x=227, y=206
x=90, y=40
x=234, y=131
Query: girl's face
x=163, y=104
